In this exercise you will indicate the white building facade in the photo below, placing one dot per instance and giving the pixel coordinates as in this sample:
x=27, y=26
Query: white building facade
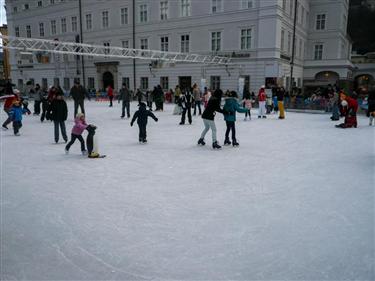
x=257, y=34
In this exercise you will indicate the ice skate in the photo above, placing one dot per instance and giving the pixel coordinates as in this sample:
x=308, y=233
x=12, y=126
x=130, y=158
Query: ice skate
x=84, y=152
x=201, y=142
x=17, y=134
x=66, y=151
x=215, y=145
x=227, y=142
x=235, y=143
x=4, y=127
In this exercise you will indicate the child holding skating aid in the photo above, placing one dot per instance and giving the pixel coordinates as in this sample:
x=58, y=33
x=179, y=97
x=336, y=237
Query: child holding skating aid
x=78, y=128
x=141, y=115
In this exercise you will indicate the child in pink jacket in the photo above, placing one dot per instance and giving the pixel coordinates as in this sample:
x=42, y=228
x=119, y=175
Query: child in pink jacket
x=78, y=128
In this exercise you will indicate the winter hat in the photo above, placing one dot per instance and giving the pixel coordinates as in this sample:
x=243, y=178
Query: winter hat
x=263, y=86
x=142, y=104
x=233, y=94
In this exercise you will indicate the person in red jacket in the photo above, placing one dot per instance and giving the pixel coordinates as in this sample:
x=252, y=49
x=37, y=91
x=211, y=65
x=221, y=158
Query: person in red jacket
x=9, y=101
x=262, y=102
x=349, y=107
x=110, y=95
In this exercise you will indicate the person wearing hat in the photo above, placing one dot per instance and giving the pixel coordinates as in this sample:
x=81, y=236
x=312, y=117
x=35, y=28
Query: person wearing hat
x=10, y=98
x=16, y=113
x=78, y=93
x=349, y=107
x=141, y=115
x=230, y=108
x=262, y=102
x=58, y=113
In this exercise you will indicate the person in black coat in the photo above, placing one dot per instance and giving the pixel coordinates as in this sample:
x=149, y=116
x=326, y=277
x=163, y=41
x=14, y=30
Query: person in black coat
x=186, y=102
x=371, y=106
x=141, y=115
x=58, y=113
x=208, y=117
x=78, y=93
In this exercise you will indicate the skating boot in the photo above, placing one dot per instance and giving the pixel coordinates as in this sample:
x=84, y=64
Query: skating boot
x=66, y=151
x=235, y=143
x=84, y=152
x=227, y=142
x=144, y=141
x=215, y=145
x=371, y=121
x=201, y=142
x=4, y=127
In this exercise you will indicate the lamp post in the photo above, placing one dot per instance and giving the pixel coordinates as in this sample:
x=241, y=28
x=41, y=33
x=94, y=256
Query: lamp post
x=293, y=45
x=81, y=40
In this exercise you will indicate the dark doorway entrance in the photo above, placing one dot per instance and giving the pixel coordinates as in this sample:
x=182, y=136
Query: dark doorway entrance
x=184, y=82
x=107, y=79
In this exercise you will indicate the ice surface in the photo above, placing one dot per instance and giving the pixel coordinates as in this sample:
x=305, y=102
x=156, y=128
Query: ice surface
x=294, y=202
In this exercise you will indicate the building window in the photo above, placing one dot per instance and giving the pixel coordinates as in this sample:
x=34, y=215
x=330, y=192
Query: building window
x=88, y=21
x=284, y=5
x=41, y=29
x=20, y=83
x=318, y=52
x=144, y=83
x=185, y=43
x=291, y=5
x=74, y=24
x=17, y=31
x=344, y=20
x=105, y=22
x=106, y=50
x=247, y=4
x=125, y=44
x=144, y=44
x=164, y=44
x=217, y=6
x=185, y=8
x=164, y=10
x=91, y=83
x=246, y=39
x=66, y=84
x=56, y=82
x=143, y=13
x=302, y=15
x=320, y=22
x=15, y=10
x=125, y=80
x=164, y=82
x=300, y=48
x=124, y=16
x=44, y=83
x=40, y=3
x=52, y=2
x=28, y=31
x=215, y=82
x=215, y=41
x=282, y=43
x=63, y=25
x=53, y=27
x=26, y=6
x=289, y=43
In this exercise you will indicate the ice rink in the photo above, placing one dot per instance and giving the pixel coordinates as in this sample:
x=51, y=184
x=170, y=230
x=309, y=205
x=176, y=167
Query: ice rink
x=294, y=202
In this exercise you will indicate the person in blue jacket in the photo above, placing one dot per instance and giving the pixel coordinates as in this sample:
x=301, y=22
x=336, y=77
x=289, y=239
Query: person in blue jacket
x=230, y=107
x=16, y=113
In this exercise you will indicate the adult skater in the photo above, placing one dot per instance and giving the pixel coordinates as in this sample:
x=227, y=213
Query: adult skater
x=78, y=93
x=280, y=102
x=335, y=100
x=38, y=96
x=150, y=98
x=349, y=107
x=125, y=97
x=230, y=107
x=141, y=115
x=262, y=102
x=10, y=97
x=139, y=94
x=58, y=113
x=159, y=98
x=110, y=95
x=371, y=106
x=208, y=117
x=186, y=102
x=197, y=99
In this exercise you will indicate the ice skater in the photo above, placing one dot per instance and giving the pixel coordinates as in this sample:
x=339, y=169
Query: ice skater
x=230, y=107
x=349, y=107
x=247, y=103
x=16, y=113
x=208, y=117
x=371, y=106
x=78, y=128
x=186, y=102
x=58, y=113
x=262, y=102
x=141, y=115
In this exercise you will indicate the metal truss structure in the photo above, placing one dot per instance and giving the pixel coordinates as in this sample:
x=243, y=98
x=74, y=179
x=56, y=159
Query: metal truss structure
x=60, y=47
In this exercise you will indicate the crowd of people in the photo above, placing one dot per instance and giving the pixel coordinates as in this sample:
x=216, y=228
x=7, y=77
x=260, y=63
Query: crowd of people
x=51, y=106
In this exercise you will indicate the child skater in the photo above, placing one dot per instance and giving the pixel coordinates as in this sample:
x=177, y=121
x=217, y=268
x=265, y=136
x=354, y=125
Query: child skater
x=141, y=116
x=16, y=116
x=78, y=128
x=247, y=103
x=230, y=107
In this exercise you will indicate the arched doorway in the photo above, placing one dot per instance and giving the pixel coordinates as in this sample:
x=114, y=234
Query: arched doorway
x=327, y=77
x=108, y=79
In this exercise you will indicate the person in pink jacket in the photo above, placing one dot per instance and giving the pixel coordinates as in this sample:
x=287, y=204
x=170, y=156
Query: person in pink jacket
x=78, y=128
